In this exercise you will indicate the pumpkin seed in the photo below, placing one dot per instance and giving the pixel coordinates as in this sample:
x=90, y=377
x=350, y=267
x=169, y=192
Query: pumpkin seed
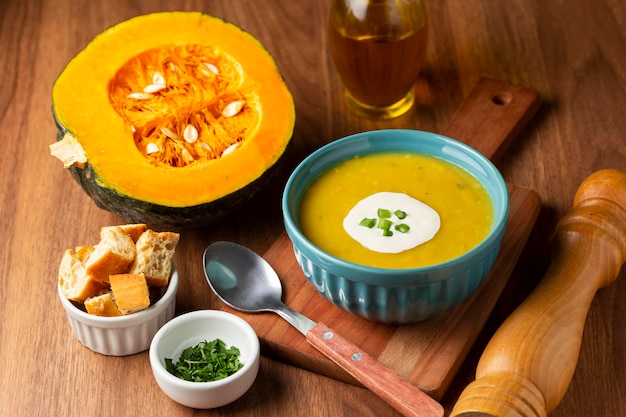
x=184, y=153
x=169, y=133
x=232, y=109
x=152, y=148
x=157, y=78
x=230, y=149
x=211, y=68
x=205, y=146
x=139, y=96
x=153, y=88
x=69, y=151
x=190, y=134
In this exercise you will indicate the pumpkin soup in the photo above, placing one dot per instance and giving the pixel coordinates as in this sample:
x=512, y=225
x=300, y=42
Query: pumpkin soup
x=396, y=210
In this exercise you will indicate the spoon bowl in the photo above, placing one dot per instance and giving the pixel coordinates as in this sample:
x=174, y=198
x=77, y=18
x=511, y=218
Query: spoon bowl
x=244, y=282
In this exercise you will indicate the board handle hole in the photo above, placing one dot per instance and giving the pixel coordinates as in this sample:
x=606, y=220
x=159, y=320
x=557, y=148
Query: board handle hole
x=502, y=99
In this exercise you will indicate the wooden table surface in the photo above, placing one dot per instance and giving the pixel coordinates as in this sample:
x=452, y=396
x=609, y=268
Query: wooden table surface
x=573, y=53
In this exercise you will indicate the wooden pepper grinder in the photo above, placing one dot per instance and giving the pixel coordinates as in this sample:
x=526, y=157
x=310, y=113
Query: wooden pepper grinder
x=527, y=366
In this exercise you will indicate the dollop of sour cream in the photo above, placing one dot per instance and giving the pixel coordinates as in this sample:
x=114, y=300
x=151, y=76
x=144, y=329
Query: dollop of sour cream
x=423, y=221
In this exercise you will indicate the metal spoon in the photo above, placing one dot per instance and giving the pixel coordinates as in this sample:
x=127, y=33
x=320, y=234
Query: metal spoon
x=246, y=282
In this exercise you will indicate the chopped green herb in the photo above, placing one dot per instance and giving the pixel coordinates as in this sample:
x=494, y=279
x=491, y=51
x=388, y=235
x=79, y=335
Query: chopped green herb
x=400, y=214
x=384, y=224
x=402, y=227
x=207, y=361
x=369, y=223
x=384, y=213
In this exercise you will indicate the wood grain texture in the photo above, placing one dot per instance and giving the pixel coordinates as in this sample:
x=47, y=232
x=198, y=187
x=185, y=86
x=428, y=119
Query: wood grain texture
x=492, y=116
x=571, y=52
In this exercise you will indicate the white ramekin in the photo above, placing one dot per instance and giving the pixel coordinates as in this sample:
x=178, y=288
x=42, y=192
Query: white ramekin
x=122, y=335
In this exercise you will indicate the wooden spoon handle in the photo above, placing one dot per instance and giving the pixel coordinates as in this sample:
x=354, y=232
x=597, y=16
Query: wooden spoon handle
x=381, y=380
x=528, y=364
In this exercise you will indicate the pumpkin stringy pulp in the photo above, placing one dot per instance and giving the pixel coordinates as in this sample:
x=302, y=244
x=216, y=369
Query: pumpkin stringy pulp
x=184, y=103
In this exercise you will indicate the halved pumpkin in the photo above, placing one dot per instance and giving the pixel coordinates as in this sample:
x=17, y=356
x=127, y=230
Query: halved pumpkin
x=172, y=118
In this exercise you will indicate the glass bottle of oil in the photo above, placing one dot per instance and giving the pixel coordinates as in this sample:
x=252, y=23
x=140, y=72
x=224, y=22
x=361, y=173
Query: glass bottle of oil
x=378, y=48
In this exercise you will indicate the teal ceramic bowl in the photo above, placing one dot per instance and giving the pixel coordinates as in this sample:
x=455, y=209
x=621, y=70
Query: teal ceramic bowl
x=395, y=296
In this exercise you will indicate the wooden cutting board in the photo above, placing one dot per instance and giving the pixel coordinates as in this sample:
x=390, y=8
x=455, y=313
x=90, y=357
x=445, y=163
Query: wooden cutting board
x=428, y=354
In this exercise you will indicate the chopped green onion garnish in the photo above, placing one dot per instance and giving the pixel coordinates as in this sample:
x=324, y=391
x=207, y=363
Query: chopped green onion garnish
x=369, y=223
x=400, y=214
x=384, y=224
x=384, y=213
x=402, y=227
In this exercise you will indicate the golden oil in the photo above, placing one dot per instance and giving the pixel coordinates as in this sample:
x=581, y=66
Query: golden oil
x=378, y=48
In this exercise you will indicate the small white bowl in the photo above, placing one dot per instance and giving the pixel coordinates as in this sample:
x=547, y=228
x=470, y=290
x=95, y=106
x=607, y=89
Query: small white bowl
x=122, y=335
x=190, y=329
